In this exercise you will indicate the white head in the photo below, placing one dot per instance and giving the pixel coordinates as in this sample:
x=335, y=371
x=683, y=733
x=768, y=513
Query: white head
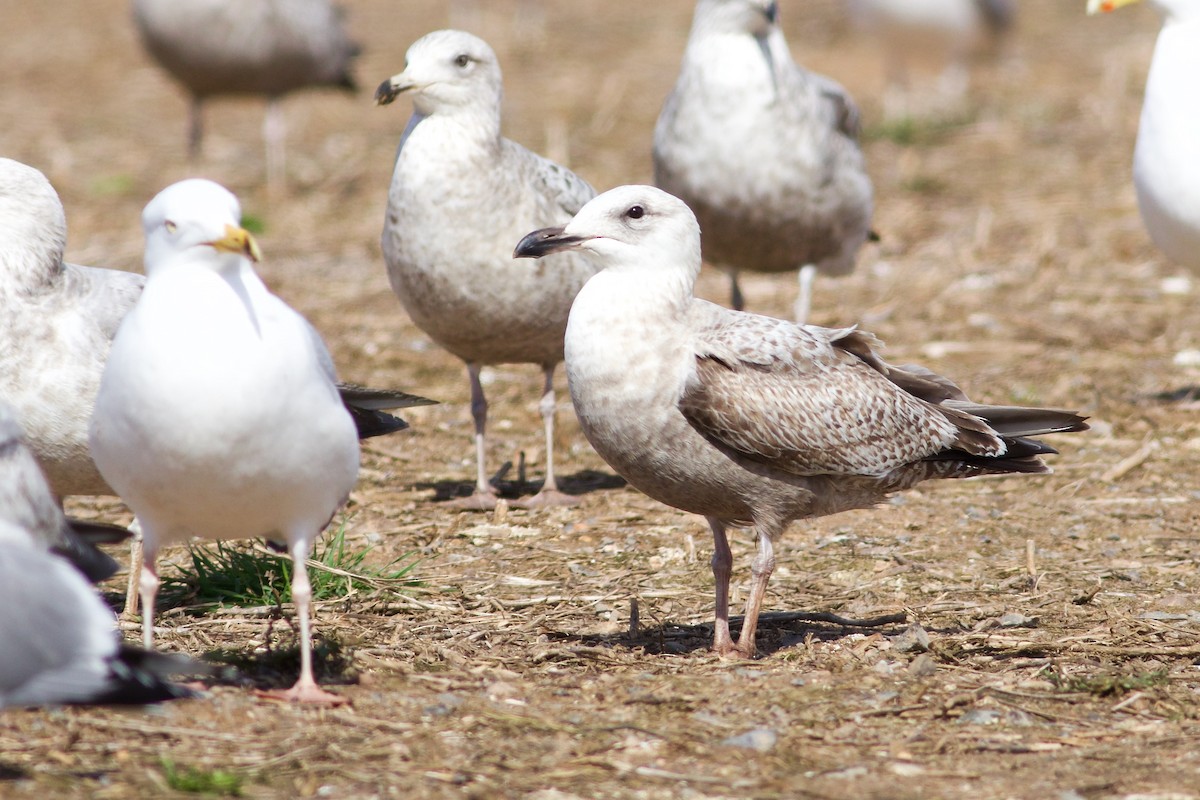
x=752, y=17
x=628, y=228
x=194, y=219
x=33, y=227
x=447, y=72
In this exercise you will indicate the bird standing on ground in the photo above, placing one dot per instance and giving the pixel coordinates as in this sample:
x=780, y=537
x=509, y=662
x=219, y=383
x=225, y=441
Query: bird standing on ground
x=59, y=645
x=460, y=195
x=746, y=419
x=233, y=47
x=1166, y=157
x=218, y=415
x=763, y=151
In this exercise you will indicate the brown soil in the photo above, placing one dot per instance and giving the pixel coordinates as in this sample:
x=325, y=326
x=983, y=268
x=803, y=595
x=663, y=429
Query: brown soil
x=1060, y=611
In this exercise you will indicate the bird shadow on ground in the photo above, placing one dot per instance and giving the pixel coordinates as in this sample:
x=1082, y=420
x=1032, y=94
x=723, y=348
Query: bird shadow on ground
x=776, y=631
x=279, y=667
x=579, y=483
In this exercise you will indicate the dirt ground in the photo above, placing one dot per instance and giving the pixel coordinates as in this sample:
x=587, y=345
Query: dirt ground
x=1058, y=615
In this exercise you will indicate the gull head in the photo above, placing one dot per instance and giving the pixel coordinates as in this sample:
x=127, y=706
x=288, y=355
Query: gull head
x=638, y=227
x=196, y=219
x=1171, y=10
x=445, y=70
x=33, y=227
x=754, y=17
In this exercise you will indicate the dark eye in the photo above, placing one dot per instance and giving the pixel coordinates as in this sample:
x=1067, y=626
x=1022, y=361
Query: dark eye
x=462, y=60
x=636, y=212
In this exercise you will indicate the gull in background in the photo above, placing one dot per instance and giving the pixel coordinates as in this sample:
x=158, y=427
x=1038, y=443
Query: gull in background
x=460, y=195
x=763, y=151
x=747, y=419
x=218, y=415
x=233, y=47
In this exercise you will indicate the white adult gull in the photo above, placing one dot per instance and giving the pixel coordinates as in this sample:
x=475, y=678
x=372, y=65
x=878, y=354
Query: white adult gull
x=59, y=641
x=218, y=415
x=232, y=47
x=1166, y=157
x=765, y=152
x=460, y=195
x=747, y=419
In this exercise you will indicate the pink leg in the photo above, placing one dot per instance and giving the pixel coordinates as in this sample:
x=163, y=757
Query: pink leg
x=484, y=497
x=549, y=495
x=306, y=689
x=148, y=584
x=760, y=572
x=722, y=568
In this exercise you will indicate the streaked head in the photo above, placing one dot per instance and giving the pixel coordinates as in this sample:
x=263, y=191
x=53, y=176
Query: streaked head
x=754, y=17
x=33, y=227
x=445, y=70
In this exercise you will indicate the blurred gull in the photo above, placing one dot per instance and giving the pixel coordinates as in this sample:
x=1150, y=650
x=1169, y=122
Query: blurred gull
x=59, y=643
x=218, y=415
x=746, y=419
x=461, y=194
x=946, y=31
x=1166, y=158
x=234, y=47
x=763, y=151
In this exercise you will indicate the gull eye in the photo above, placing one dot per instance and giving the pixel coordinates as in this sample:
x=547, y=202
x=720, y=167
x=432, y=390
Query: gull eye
x=170, y=226
x=462, y=59
x=635, y=212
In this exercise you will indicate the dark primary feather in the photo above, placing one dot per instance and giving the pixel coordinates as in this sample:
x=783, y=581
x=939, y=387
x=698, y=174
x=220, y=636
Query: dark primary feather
x=368, y=408
x=139, y=677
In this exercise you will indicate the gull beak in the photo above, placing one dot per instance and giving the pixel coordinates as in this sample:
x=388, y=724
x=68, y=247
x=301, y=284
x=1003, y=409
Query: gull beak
x=545, y=241
x=392, y=88
x=1096, y=6
x=238, y=240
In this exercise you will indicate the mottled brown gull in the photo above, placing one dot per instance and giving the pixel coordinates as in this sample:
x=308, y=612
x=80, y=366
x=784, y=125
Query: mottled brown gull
x=57, y=638
x=234, y=47
x=460, y=195
x=218, y=414
x=764, y=151
x=746, y=419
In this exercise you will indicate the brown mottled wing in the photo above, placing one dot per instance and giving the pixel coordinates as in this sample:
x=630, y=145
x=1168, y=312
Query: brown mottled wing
x=797, y=400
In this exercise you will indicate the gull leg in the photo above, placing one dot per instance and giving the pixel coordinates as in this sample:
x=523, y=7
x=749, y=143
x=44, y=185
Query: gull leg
x=484, y=497
x=149, y=586
x=274, y=134
x=135, y=571
x=195, y=127
x=305, y=689
x=804, y=297
x=760, y=572
x=736, y=300
x=722, y=568
x=549, y=494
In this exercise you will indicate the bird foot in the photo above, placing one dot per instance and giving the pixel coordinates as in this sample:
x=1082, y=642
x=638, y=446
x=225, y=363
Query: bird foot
x=548, y=498
x=733, y=652
x=305, y=693
x=480, y=501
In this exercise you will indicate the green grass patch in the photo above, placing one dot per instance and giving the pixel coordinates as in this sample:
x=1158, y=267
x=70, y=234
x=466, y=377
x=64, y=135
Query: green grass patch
x=910, y=131
x=254, y=223
x=220, y=782
x=1109, y=685
x=247, y=574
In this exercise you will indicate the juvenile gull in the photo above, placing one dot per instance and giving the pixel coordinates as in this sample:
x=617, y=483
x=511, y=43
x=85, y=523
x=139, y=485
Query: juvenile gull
x=765, y=152
x=59, y=320
x=218, y=414
x=746, y=419
x=1166, y=158
x=234, y=47
x=57, y=641
x=461, y=194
